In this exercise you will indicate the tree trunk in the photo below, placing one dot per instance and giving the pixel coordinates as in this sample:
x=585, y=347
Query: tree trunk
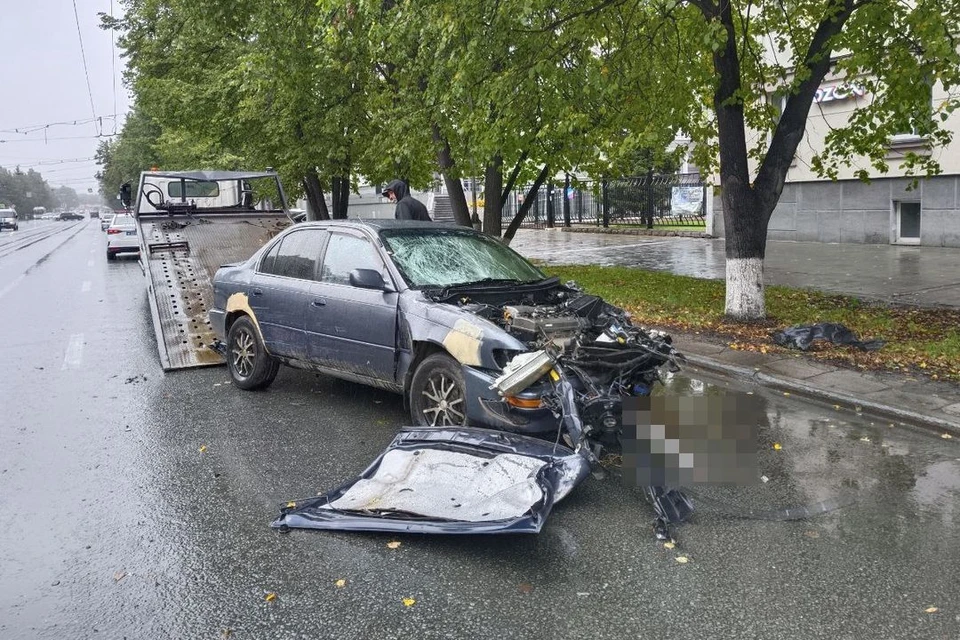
x=492, y=200
x=341, y=197
x=314, y=191
x=745, y=228
x=528, y=201
x=458, y=201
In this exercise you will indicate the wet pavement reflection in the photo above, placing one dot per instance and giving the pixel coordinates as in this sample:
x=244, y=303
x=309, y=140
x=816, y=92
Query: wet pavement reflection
x=907, y=274
x=136, y=504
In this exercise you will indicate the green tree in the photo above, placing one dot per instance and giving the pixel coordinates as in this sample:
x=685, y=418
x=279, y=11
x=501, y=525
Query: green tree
x=896, y=50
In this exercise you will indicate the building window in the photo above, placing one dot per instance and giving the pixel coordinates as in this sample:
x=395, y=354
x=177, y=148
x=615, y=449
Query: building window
x=907, y=222
x=919, y=122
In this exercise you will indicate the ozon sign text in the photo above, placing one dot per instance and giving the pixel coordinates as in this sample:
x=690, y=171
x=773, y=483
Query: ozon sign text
x=838, y=92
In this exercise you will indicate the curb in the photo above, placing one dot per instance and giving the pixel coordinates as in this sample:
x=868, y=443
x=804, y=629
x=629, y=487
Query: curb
x=638, y=232
x=930, y=423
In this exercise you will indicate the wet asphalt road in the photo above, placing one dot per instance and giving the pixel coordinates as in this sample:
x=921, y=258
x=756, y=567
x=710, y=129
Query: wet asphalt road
x=927, y=276
x=114, y=523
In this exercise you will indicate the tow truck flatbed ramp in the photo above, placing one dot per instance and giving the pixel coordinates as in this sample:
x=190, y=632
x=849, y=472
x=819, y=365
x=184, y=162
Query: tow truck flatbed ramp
x=181, y=250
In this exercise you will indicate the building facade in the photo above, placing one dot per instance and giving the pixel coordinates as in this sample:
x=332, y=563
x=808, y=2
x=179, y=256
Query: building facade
x=888, y=209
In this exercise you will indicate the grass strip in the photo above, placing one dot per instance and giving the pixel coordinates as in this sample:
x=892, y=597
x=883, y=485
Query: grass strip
x=919, y=340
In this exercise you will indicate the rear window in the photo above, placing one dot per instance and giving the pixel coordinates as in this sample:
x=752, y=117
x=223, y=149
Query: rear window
x=195, y=189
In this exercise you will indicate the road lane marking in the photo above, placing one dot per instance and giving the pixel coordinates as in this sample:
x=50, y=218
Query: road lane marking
x=85, y=286
x=74, y=355
x=10, y=286
x=89, y=263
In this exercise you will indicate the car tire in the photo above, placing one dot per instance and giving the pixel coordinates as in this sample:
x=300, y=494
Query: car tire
x=251, y=367
x=111, y=255
x=437, y=393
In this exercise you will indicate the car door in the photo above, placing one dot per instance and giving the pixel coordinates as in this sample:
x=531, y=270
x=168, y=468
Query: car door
x=280, y=289
x=351, y=328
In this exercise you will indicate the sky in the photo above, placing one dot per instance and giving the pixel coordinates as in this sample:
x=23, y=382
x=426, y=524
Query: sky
x=42, y=82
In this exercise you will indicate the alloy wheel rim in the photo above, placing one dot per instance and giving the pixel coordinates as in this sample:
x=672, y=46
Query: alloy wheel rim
x=244, y=354
x=443, y=401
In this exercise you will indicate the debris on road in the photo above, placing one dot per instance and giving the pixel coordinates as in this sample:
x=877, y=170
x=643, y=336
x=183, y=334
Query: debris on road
x=802, y=337
x=448, y=480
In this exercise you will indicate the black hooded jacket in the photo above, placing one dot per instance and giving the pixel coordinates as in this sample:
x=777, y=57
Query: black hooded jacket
x=408, y=207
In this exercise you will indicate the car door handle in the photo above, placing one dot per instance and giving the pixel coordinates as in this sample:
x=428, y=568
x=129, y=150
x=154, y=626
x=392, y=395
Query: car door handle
x=257, y=292
x=319, y=302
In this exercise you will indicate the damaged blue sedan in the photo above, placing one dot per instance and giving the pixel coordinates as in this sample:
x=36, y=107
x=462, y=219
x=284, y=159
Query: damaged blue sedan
x=436, y=312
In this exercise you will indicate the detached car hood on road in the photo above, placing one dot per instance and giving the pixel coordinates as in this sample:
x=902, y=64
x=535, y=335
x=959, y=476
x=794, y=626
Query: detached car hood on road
x=448, y=480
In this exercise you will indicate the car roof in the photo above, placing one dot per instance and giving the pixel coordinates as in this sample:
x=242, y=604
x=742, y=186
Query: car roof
x=378, y=224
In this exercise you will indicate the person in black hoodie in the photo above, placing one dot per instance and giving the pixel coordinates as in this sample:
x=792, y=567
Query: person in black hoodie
x=408, y=207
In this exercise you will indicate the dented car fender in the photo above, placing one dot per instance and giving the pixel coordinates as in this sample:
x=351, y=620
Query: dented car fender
x=468, y=338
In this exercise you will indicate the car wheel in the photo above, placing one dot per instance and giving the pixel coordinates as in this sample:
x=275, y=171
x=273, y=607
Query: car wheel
x=437, y=395
x=111, y=255
x=251, y=367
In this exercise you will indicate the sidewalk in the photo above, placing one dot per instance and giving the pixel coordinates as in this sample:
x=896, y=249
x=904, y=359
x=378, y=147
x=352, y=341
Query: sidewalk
x=893, y=397
x=895, y=274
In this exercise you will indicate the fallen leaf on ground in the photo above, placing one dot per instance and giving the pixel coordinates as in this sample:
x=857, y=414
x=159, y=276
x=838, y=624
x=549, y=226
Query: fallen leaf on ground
x=931, y=610
x=291, y=505
x=226, y=633
x=340, y=583
x=270, y=597
x=409, y=602
x=119, y=575
x=946, y=436
x=393, y=544
x=812, y=534
x=668, y=545
x=786, y=393
x=764, y=479
x=203, y=448
x=864, y=439
x=525, y=587
x=777, y=446
x=682, y=559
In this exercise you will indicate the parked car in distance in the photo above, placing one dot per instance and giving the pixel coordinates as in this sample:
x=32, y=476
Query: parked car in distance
x=106, y=220
x=8, y=219
x=122, y=236
x=70, y=215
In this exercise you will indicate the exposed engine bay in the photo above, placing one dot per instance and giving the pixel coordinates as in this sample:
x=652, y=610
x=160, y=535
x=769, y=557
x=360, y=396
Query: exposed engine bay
x=605, y=357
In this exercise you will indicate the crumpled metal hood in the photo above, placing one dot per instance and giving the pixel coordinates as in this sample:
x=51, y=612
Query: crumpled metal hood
x=456, y=480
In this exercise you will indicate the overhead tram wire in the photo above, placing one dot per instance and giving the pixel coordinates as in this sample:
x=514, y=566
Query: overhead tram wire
x=24, y=130
x=86, y=73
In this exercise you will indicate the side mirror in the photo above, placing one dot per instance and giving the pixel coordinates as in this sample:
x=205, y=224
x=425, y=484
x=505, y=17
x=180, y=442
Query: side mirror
x=125, y=195
x=368, y=279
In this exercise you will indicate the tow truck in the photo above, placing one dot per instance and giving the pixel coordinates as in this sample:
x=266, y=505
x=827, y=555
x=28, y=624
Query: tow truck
x=189, y=223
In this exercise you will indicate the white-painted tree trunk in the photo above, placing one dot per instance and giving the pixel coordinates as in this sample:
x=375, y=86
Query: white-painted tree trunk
x=745, y=299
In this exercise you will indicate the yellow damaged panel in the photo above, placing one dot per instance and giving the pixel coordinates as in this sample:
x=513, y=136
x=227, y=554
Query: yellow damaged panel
x=240, y=302
x=463, y=342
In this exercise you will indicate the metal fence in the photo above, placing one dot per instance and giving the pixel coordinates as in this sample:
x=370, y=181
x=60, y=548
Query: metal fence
x=672, y=200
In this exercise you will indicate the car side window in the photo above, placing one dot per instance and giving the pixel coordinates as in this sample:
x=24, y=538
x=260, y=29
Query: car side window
x=296, y=255
x=346, y=253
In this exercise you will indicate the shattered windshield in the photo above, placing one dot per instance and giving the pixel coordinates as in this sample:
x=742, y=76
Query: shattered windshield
x=445, y=257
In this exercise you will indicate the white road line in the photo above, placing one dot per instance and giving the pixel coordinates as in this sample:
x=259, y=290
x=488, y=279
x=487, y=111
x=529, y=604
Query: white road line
x=74, y=355
x=90, y=263
x=10, y=286
x=85, y=286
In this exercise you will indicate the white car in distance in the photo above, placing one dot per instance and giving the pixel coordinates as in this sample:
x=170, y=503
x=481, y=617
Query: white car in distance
x=122, y=236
